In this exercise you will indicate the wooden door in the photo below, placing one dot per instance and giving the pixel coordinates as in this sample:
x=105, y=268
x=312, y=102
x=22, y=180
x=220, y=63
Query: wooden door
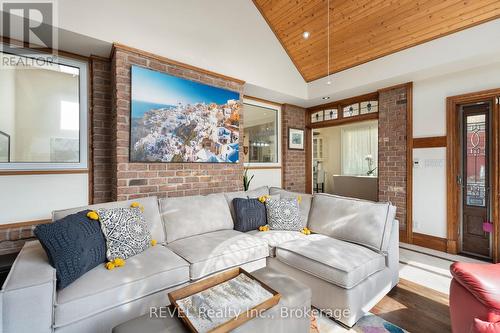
x=475, y=179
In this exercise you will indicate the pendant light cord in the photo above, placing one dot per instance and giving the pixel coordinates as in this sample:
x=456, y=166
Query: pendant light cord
x=328, y=41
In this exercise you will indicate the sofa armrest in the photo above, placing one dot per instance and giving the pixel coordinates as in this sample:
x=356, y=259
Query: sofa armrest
x=392, y=257
x=29, y=292
x=481, y=280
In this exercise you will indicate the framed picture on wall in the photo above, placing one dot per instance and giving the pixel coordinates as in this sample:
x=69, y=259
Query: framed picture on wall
x=178, y=120
x=295, y=138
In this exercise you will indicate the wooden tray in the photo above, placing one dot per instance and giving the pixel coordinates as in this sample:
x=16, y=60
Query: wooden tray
x=216, y=280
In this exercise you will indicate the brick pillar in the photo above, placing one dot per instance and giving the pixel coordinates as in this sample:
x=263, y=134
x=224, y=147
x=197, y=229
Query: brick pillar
x=101, y=128
x=392, y=128
x=293, y=161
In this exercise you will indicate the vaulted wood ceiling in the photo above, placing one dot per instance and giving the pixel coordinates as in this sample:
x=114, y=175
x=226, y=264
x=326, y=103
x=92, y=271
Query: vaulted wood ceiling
x=364, y=30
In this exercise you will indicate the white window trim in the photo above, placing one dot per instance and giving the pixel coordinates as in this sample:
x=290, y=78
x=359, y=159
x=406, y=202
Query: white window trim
x=84, y=150
x=278, y=124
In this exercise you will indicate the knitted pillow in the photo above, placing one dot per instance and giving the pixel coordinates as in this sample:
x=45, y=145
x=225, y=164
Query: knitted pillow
x=250, y=214
x=283, y=214
x=126, y=232
x=74, y=245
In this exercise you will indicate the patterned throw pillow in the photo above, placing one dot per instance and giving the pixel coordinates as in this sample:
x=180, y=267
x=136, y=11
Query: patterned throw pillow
x=126, y=232
x=283, y=214
x=74, y=245
x=250, y=214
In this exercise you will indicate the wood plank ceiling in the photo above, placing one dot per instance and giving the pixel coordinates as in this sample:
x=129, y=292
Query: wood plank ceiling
x=364, y=30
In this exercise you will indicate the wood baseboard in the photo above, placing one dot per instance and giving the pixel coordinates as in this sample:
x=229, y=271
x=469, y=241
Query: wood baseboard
x=431, y=242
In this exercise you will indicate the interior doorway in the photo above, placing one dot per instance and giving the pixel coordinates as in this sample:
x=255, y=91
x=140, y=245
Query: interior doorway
x=473, y=150
x=345, y=160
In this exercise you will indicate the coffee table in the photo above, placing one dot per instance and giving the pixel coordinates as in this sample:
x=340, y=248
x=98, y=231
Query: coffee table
x=288, y=316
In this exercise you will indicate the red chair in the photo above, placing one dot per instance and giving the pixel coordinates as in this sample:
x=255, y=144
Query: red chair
x=475, y=298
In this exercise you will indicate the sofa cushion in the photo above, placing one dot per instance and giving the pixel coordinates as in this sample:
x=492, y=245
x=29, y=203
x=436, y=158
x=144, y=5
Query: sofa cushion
x=274, y=238
x=250, y=214
x=74, y=245
x=251, y=194
x=194, y=215
x=216, y=251
x=153, y=270
x=341, y=263
x=151, y=213
x=304, y=202
x=358, y=221
x=126, y=232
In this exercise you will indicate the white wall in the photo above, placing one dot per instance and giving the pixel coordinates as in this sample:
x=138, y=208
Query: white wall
x=7, y=105
x=265, y=177
x=34, y=197
x=429, y=96
x=429, y=191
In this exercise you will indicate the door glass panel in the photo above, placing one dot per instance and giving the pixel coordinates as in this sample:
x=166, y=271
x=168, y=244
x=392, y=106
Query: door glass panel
x=475, y=162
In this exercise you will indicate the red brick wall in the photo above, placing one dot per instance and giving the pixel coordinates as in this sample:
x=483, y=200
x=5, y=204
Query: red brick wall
x=294, y=161
x=162, y=179
x=101, y=129
x=392, y=150
x=12, y=239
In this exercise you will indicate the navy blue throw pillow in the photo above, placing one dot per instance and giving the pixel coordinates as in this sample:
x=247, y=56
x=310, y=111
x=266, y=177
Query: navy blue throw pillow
x=74, y=244
x=250, y=214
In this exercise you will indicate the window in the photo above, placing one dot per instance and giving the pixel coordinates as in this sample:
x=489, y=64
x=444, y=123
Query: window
x=260, y=133
x=317, y=116
x=360, y=149
x=369, y=107
x=331, y=114
x=351, y=110
x=43, y=118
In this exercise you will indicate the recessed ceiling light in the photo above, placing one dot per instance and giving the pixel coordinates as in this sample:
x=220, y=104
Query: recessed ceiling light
x=326, y=97
x=328, y=82
x=306, y=34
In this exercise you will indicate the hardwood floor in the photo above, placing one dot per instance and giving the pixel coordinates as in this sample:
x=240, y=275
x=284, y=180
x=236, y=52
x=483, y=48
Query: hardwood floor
x=415, y=308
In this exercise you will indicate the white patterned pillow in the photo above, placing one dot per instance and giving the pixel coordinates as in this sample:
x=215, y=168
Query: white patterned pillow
x=125, y=230
x=283, y=214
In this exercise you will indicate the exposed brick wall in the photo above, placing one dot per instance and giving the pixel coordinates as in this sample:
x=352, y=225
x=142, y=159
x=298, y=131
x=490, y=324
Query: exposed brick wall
x=13, y=239
x=101, y=129
x=294, y=161
x=163, y=179
x=392, y=150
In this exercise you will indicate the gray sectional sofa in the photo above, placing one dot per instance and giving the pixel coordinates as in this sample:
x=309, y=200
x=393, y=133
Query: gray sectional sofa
x=350, y=262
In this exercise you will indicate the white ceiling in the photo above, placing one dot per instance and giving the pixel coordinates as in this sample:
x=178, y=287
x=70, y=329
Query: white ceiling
x=230, y=37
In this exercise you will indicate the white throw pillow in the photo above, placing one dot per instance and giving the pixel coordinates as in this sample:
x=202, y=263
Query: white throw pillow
x=283, y=214
x=125, y=230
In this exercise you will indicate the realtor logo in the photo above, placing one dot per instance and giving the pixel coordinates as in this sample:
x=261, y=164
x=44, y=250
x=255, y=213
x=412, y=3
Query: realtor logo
x=29, y=22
